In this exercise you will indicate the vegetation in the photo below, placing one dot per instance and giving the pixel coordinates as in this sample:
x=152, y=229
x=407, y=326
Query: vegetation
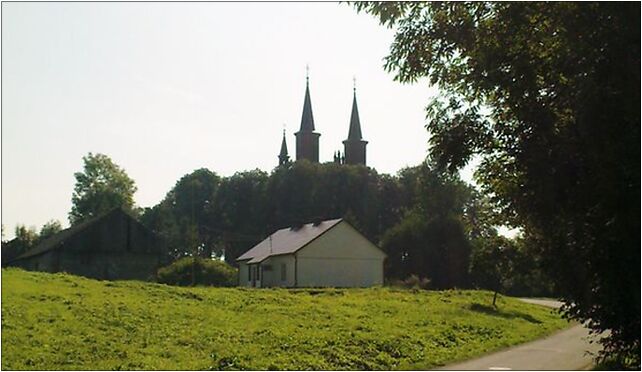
x=198, y=271
x=50, y=228
x=548, y=95
x=58, y=321
x=100, y=187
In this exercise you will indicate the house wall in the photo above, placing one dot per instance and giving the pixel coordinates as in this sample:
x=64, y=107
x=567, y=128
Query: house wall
x=341, y=257
x=272, y=278
x=243, y=276
x=271, y=274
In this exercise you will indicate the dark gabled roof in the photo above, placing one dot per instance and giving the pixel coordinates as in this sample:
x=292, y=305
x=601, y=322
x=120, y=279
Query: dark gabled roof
x=286, y=241
x=56, y=240
x=307, y=120
x=354, y=132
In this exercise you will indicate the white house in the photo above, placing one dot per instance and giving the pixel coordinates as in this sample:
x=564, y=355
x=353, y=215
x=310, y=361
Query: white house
x=324, y=254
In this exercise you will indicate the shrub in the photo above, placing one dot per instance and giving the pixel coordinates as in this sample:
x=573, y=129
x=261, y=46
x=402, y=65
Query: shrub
x=413, y=282
x=198, y=271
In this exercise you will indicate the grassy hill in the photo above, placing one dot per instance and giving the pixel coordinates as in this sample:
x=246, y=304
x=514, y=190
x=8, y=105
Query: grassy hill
x=59, y=321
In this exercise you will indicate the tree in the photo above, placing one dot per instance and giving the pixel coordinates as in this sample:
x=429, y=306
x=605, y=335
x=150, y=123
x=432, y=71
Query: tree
x=493, y=264
x=431, y=240
x=548, y=95
x=185, y=217
x=241, y=211
x=49, y=229
x=100, y=187
x=26, y=238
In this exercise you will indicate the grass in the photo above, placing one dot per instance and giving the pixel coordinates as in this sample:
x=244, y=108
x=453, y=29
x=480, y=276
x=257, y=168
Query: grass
x=59, y=321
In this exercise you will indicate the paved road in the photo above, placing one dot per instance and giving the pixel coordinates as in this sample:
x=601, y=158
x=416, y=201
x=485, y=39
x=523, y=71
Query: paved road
x=564, y=350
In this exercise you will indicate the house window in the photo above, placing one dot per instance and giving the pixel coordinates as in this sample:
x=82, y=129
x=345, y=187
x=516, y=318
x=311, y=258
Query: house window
x=259, y=269
x=249, y=273
x=284, y=273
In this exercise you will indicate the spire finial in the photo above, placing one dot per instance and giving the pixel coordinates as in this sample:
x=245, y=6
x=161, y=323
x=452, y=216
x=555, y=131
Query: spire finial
x=307, y=72
x=354, y=84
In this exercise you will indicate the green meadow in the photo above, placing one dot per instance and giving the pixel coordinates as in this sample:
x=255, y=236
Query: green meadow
x=60, y=321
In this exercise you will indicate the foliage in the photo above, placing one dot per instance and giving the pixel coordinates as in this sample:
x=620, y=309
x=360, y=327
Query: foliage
x=100, y=187
x=412, y=282
x=234, y=213
x=548, y=95
x=26, y=238
x=431, y=240
x=198, y=271
x=50, y=228
x=185, y=217
x=63, y=322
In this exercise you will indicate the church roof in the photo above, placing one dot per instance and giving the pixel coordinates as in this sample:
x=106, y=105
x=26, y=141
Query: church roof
x=287, y=241
x=284, y=147
x=307, y=121
x=355, y=126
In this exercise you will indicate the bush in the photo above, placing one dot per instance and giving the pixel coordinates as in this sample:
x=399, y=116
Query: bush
x=413, y=282
x=200, y=271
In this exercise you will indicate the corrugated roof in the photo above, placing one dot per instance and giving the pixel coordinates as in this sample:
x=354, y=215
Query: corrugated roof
x=288, y=240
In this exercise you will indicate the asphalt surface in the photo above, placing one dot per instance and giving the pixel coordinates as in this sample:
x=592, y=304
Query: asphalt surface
x=568, y=349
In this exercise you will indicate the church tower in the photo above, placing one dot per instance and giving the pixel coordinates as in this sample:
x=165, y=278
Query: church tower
x=355, y=146
x=283, y=155
x=307, y=140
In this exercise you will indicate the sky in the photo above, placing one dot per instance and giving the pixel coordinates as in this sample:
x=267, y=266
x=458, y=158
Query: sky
x=167, y=88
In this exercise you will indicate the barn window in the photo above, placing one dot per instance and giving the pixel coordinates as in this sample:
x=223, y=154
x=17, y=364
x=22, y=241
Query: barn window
x=284, y=273
x=249, y=273
x=258, y=270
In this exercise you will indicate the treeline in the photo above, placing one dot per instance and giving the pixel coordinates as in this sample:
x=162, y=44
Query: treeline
x=431, y=224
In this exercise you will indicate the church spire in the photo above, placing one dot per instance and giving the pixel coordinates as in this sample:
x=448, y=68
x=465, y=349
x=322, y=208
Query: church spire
x=354, y=132
x=307, y=140
x=307, y=120
x=354, y=146
x=283, y=155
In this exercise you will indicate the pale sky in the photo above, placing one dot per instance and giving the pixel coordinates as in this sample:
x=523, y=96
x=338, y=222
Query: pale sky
x=166, y=88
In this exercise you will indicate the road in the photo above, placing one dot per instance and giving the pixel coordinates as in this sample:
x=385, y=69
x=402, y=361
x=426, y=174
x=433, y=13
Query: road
x=565, y=350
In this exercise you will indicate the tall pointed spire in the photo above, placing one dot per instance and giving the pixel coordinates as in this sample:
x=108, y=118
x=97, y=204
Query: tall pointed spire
x=355, y=125
x=284, y=158
x=307, y=120
x=307, y=140
x=355, y=146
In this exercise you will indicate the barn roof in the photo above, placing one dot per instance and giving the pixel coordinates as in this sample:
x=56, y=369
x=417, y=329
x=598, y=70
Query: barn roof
x=288, y=240
x=56, y=240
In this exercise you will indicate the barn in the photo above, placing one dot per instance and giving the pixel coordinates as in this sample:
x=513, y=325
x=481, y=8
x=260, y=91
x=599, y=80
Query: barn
x=323, y=254
x=111, y=246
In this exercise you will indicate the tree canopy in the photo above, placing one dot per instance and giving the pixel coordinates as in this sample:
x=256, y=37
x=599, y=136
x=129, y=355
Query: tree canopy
x=100, y=187
x=548, y=94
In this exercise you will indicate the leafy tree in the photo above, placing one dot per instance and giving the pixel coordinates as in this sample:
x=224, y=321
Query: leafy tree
x=493, y=263
x=431, y=240
x=49, y=229
x=548, y=95
x=185, y=217
x=26, y=238
x=241, y=211
x=100, y=187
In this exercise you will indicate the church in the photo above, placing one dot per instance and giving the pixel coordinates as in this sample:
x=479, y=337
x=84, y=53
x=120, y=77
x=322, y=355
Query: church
x=307, y=140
